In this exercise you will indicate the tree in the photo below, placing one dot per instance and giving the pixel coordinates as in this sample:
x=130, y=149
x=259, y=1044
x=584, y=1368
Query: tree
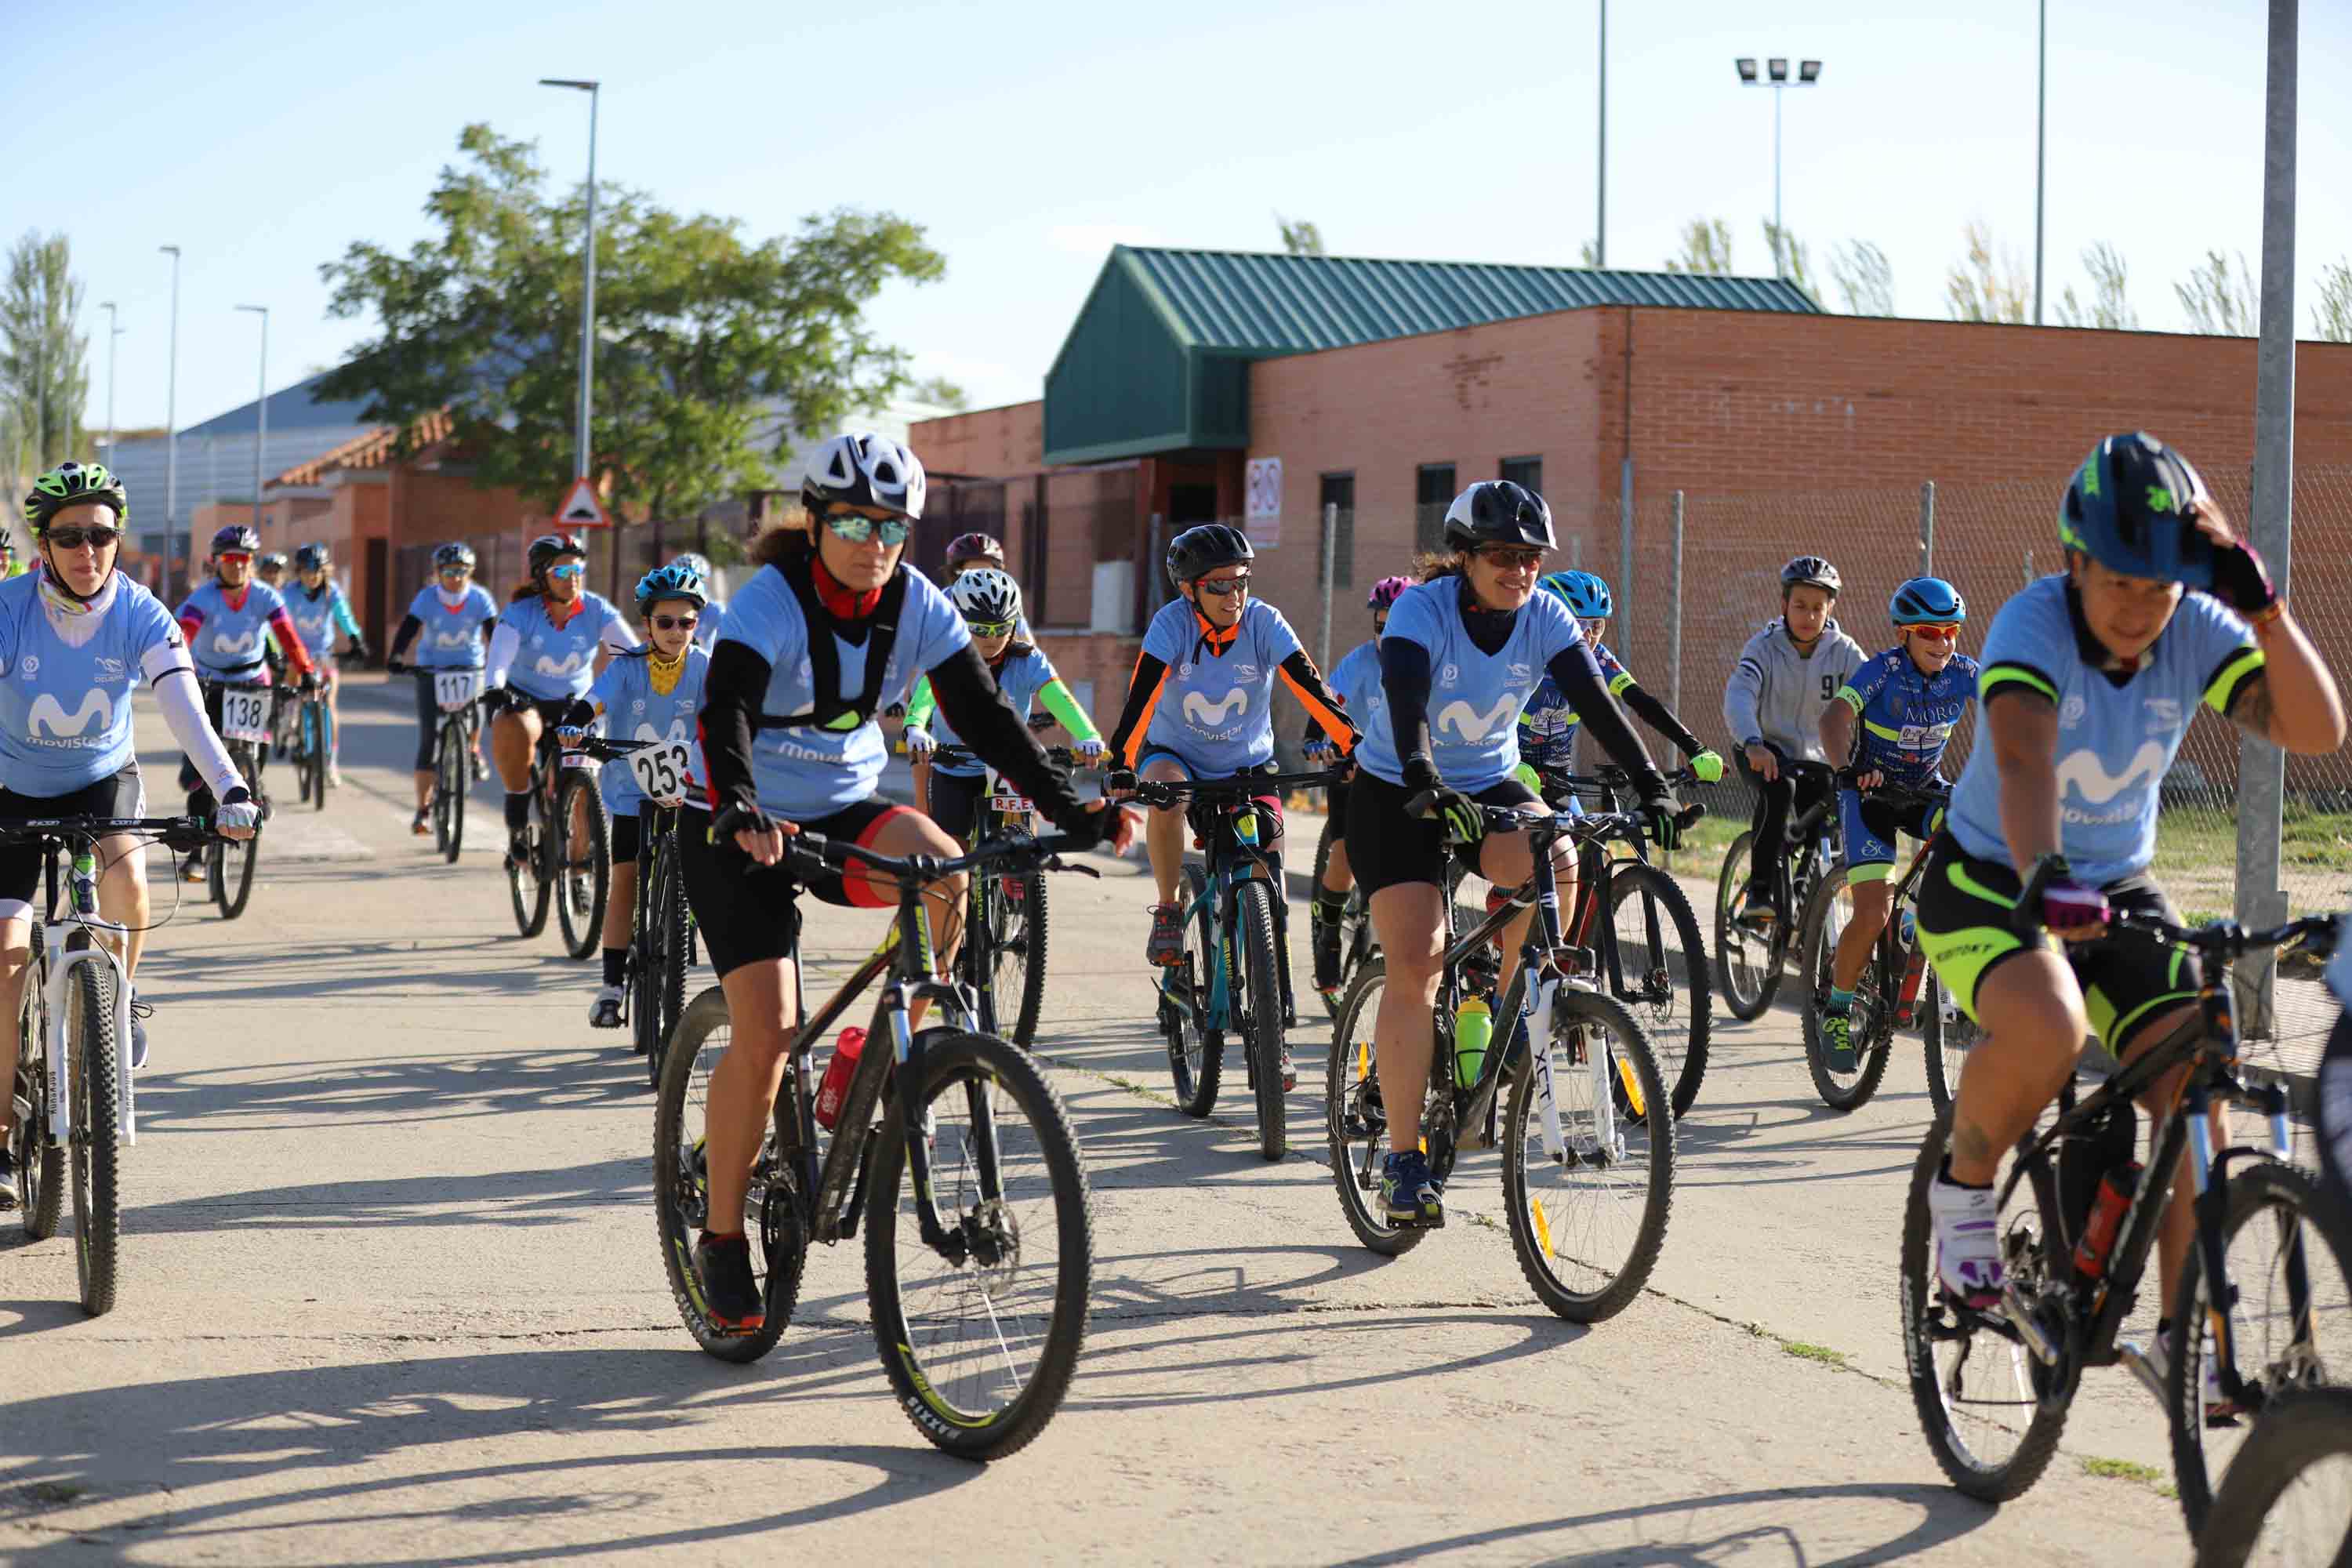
x=2332, y=318
x=941, y=393
x=1789, y=260
x=1863, y=278
x=1980, y=291
x=1588, y=255
x=2218, y=301
x=44, y=362
x=1299, y=238
x=703, y=336
x=1707, y=247
x=2110, y=306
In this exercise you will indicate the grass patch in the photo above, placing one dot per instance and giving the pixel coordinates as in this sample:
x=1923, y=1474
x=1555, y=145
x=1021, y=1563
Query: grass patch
x=2125, y=1470
x=1822, y=1353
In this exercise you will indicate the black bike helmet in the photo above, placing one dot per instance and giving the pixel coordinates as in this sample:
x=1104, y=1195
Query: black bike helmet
x=548, y=548
x=1811, y=571
x=1199, y=551
x=312, y=558
x=1497, y=511
x=236, y=537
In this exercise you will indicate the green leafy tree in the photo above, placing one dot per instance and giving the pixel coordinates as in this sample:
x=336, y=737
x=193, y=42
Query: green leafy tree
x=44, y=362
x=1865, y=278
x=2219, y=301
x=1707, y=247
x=1979, y=289
x=702, y=333
x=1789, y=260
x=1299, y=238
x=2110, y=306
x=2331, y=319
x=1589, y=256
x=940, y=393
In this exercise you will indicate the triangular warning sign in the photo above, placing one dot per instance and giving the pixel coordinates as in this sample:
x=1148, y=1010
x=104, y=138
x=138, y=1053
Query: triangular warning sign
x=581, y=508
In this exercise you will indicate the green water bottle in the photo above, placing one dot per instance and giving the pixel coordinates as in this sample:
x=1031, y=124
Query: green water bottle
x=1474, y=1026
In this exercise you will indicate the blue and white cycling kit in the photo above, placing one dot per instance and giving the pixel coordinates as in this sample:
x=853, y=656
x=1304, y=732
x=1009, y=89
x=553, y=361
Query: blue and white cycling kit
x=634, y=710
x=1474, y=697
x=452, y=634
x=1356, y=680
x=1020, y=679
x=1907, y=718
x=2116, y=740
x=66, y=675
x=319, y=617
x=229, y=636
x=1215, y=710
x=804, y=771
x=549, y=662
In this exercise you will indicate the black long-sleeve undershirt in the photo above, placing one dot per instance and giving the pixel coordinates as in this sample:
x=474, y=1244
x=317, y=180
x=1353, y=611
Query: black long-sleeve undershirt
x=1657, y=716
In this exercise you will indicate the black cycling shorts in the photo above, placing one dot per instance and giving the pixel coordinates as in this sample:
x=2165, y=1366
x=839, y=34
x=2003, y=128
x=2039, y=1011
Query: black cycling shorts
x=748, y=913
x=1387, y=848
x=20, y=864
x=955, y=803
x=628, y=841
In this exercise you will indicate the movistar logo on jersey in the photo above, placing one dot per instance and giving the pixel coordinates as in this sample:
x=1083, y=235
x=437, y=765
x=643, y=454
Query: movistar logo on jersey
x=647, y=732
x=248, y=643
x=1208, y=715
x=66, y=728
x=1469, y=723
x=562, y=668
x=2081, y=774
x=453, y=640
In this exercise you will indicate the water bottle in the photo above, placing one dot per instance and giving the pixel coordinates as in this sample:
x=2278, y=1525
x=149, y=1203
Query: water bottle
x=2114, y=1197
x=1910, y=928
x=836, y=1087
x=1474, y=1027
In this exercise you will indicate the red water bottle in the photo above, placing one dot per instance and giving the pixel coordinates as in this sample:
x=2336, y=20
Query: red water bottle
x=2107, y=1207
x=836, y=1087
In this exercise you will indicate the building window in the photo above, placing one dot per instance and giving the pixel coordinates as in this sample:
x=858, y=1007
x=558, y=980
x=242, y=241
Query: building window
x=1432, y=493
x=1339, y=490
x=1528, y=471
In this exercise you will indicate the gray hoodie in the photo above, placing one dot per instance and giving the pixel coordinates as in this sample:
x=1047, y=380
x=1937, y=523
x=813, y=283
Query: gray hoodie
x=1779, y=693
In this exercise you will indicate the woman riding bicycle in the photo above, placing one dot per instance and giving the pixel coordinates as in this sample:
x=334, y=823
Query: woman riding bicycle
x=1469, y=642
x=76, y=638
x=649, y=693
x=454, y=615
x=791, y=742
x=989, y=603
x=1213, y=639
x=2091, y=678
x=319, y=612
x=1356, y=681
x=229, y=621
x=553, y=638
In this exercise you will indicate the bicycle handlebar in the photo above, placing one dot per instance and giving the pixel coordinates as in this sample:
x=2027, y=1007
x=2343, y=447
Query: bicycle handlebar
x=607, y=750
x=814, y=851
x=27, y=829
x=1613, y=778
x=1152, y=792
x=2228, y=940
x=1062, y=754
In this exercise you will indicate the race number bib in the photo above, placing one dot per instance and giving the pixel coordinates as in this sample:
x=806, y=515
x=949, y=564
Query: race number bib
x=244, y=715
x=661, y=772
x=1016, y=806
x=457, y=688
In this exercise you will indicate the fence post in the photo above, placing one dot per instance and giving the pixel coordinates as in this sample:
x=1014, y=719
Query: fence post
x=1675, y=615
x=1330, y=558
x=1927, y=529
x=2029, y=567
x=1576, y=552
x=1625, y=545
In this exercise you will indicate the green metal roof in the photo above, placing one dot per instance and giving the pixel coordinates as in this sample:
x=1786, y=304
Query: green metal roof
x=1159, y=357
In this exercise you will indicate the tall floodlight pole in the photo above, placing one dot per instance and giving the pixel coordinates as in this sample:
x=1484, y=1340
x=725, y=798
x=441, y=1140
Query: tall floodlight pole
x=261, y=411
x=172, y=426
x=1776, y=76
x=114, y=330
x=2041, y=153
x=1600, y=215
x=588, y=272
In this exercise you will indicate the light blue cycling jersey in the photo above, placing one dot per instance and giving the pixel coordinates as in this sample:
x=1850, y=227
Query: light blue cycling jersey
x=803, y=773
x=318, y=618
x=1356, y=680
x=1020, y=678
x=1474, y=697
x=452, y=638
x=706, y=630
x=65, y=680
x=555, y=661
x=228, y=637
x=2115, y=743
x=1548, y=724
x=1907, y=716
x=634, y=710
x=1216, y=711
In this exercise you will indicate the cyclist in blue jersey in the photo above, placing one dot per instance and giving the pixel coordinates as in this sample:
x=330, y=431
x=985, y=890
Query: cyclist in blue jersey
x=831, y=629
x=1463, y=651
x=321, y=610
x=450, y=621
x=1906, y=703
x=2091, y=678
x=1200, y=704
x=714, y=609
x=1355, y=681
x=77, y=639
x=229, y=621
x=966, y=553
x=989, y=603
x=552, y=641
x=649, y=693
x=1548, y=723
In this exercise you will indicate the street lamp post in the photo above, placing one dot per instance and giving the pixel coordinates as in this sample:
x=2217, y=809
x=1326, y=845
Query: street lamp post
x=1776, y=76
x=114, y=330
x=2040, y=152
x=1601, y=216
x=261, y=411
x=172, y=426
x=588, y=272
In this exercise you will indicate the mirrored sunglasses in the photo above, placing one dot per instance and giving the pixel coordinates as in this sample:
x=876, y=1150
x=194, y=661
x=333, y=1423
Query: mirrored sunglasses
x=990, y=628
x=570, y=569
x=858, y=528
x=1946, y=632
x=234, y=558
x=1226, y=588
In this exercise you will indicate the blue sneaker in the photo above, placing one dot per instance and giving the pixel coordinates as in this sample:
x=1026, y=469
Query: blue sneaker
x=1837, y=1042
x=1409, y=1192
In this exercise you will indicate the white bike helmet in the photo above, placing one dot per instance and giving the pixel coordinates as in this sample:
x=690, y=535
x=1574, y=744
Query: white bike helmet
x=984, y=593
x=861, y=468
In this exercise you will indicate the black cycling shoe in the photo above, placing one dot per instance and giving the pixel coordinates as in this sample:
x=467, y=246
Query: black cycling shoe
x=730, y=1297
x=518, y=847
x=1323, y=939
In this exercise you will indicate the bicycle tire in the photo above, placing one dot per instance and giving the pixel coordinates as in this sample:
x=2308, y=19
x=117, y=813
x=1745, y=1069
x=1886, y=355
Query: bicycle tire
x=40, y=1165
x=1334, y=831
x=1873, y=1039
x=2253, y=1188
x=528, y=882
x=450, y=781
x=1748, y=978
x=1532, y=1233
x=646, y=1035
x=679, y=1203
x=97, y=1136
x=983, y=1064
x=1355, y=1122
x=314, y=741
x=581, y=891
x=1945, y=1043
x=297, y=751
x=1261, y=1003
x=1017, y=951
x=671, y=946
x=1682, y=1064
x=1196, y=1056
x=229, y=869
x=2302, y=1429
x=1922, y=1298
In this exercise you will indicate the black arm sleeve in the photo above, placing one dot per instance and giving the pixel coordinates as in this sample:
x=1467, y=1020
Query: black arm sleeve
x=580, y=715
x=409, y=627
x=1404, y=683
x=1580, y=681
x=1149, y=673
x=985, y=721
x=1653, y=713
x=733, y=690
x=1322, y=704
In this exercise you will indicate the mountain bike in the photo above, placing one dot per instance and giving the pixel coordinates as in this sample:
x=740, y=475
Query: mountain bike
x=1749, y=962
x=1898, y=987
x=571, y=868
x=979, y=1261
x=458, y=694
x=1993, y=1385
x=661, y=926
x=310, y=742
x=246, y=713
x=1588, y=1139
x=1005, y=936
x=73, y=1089
x=1235, y=971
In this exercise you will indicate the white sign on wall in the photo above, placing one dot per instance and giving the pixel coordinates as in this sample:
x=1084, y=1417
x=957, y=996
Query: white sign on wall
x=1263, y=517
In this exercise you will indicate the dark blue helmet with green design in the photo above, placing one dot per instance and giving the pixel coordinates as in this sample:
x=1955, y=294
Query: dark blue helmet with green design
x=2132, y=507
x=69, y=484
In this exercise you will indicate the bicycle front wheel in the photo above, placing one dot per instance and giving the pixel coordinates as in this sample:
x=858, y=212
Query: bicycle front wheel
x=1262, y=1017
x=1746, y=963
x=229, y=870
x=668, y=938
x=1356, y=1120
x=980, y=1340
x=1016, y=915
x=585, y=840
x=529, y=883
x=1664, y=985
x=2285, y=1496
x=1196, y=1053
x=96, y=1133
x=1827, y=910
x=314, y=743
x=450, y=792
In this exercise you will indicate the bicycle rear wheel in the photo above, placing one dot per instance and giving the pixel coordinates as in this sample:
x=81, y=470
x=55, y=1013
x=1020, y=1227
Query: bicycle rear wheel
x=96, y=1133
x=1746, y=964
x=449, y=784
x=585, y=881
x=980, y=1347
x=1668, y=990
x=1016, y=913
x=1946, y=1034
x=40, y=1165
x=1827, y=912
x=1259, y=1008
x=1196, y=1054
x=681, y=1191
x=305, y=760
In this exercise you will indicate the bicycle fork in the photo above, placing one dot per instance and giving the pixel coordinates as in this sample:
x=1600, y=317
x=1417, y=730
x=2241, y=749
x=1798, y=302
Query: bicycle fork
x=59, y=965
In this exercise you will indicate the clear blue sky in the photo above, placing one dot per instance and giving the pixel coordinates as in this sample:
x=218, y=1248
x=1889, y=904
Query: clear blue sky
x=264, y=137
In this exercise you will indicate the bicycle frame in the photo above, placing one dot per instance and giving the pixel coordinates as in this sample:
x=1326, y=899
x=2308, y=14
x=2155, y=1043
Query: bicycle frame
x=1234, y=851
x=990, y=824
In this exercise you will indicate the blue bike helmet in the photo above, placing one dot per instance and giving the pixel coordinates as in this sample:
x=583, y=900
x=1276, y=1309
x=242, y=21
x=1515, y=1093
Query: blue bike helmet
x=2128, y=507
x=674, y=580
x=1926, y=601
x=1586, y=595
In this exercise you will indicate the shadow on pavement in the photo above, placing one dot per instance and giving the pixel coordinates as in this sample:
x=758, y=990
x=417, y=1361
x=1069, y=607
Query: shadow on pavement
x=502, y=1198
x=493, y=1081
